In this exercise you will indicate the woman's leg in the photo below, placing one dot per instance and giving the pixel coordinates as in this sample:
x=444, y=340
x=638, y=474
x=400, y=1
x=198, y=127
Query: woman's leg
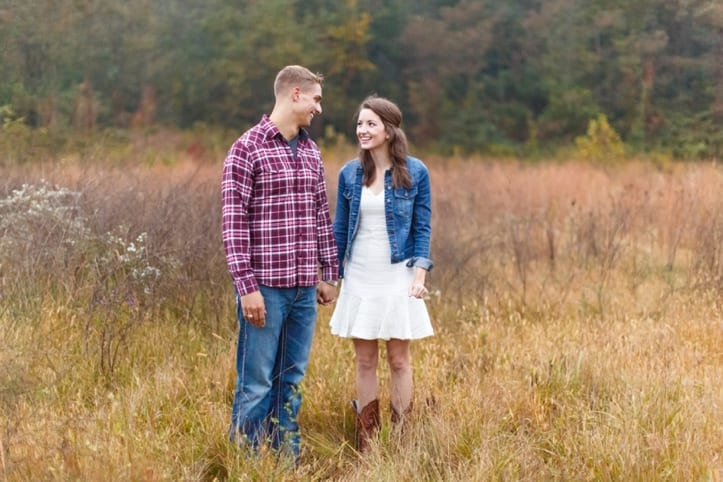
x=400, y=368
x=367, y=386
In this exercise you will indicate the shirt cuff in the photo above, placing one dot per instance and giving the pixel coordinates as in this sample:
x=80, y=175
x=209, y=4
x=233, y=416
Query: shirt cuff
x=246, y=286
x=329, y=273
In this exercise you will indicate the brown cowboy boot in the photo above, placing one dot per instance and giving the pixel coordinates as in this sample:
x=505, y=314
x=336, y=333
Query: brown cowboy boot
x=400, y=419
x=367, y=423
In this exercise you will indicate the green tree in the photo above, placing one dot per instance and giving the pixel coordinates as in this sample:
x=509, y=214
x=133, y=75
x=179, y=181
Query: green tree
x=443, y=73
x=470, y=75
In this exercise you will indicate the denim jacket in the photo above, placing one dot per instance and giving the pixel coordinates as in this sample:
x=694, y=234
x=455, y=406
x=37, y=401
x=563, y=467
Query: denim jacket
x=408, y=214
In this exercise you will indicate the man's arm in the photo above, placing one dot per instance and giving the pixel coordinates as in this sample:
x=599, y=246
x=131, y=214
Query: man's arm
x=236, y=191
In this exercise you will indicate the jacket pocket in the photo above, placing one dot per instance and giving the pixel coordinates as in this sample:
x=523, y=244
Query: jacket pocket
x=404, y=201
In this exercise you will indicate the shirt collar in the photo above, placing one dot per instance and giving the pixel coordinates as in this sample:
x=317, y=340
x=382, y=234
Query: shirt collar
x=270, y=130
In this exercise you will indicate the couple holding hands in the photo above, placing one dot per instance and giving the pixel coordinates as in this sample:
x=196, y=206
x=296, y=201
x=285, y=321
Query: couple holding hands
x=277, y=233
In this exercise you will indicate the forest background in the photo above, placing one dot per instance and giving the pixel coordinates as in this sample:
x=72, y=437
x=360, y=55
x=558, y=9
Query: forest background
x=514, y=78
x=577, y=295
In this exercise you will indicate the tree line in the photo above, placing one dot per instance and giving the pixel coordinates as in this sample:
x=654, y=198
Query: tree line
x=472, y=76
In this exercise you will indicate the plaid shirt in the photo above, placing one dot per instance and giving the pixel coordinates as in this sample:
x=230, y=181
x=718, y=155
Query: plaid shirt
x=276, y=224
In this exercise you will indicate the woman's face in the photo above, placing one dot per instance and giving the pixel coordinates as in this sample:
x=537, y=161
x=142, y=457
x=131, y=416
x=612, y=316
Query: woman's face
x=370, y=130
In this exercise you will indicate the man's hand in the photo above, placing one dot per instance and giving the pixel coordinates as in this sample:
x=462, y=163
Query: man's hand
x=254, y=310
x=325, y=293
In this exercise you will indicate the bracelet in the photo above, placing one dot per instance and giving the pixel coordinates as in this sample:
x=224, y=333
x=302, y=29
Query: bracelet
x=334, y=283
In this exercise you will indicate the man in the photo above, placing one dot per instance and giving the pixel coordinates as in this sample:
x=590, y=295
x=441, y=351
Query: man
x=277, y=232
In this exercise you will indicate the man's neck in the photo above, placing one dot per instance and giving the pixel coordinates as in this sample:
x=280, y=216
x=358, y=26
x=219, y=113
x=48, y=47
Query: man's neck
x=288, y=129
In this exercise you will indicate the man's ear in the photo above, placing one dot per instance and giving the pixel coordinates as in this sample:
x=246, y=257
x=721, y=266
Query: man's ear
x=295, y=93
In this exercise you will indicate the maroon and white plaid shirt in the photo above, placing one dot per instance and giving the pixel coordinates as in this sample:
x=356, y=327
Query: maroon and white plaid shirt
x=276, y=224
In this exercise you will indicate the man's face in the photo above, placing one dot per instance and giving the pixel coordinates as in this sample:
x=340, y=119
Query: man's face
x=307, y=104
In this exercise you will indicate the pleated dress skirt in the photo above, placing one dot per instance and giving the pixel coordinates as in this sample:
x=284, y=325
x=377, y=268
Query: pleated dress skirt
x=374, y=301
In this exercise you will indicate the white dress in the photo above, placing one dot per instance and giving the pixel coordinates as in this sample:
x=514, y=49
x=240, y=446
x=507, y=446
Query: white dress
x=374, y=301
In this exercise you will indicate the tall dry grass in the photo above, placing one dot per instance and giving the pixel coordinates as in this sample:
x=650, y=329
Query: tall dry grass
x=578, y=316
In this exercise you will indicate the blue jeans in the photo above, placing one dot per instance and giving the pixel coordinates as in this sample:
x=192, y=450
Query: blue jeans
x=270, y=364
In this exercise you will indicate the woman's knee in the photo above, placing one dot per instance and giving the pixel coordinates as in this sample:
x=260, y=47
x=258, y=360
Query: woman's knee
x=398, y=355
x=366, y=362
x=366, y=354
x=399, y=364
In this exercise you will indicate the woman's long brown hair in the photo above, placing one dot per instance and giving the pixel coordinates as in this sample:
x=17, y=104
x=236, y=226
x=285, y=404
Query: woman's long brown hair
x=392, y=118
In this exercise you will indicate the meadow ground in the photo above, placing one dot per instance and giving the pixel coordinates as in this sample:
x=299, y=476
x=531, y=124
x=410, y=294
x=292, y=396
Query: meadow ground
x=578, y=314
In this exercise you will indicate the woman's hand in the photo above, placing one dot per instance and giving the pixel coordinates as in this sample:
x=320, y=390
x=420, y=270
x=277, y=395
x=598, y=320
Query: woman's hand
x=418, y=290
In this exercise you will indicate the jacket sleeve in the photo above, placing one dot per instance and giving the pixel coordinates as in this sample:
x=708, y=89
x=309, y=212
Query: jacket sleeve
x=326, y=245
x=422, y=222
x=341, y=222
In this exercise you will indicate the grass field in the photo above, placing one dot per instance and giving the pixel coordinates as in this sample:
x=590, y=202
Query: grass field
x=578, y=314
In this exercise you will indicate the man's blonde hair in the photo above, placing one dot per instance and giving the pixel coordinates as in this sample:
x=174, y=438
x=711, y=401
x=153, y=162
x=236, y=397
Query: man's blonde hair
x=293, y=75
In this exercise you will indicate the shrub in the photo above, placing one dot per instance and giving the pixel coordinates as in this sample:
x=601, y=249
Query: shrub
x=601, y=144
x=39, y=227
x=46, y=243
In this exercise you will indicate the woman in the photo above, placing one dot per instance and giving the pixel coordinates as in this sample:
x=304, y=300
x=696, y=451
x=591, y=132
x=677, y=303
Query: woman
x=382, y=230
